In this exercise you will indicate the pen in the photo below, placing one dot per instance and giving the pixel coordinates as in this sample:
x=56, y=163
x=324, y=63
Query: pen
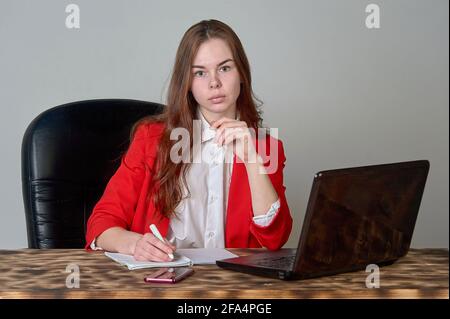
x=157, y=234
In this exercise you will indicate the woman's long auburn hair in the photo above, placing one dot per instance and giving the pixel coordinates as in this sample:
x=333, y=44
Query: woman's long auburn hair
x=181, y=110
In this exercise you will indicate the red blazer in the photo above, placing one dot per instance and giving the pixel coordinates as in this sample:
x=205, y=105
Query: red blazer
x=123, y=202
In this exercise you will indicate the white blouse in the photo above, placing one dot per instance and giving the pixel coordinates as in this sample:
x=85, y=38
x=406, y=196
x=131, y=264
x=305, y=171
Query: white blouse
x=200, y=218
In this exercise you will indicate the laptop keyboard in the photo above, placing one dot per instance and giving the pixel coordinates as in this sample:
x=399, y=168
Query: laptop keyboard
x=281, y=262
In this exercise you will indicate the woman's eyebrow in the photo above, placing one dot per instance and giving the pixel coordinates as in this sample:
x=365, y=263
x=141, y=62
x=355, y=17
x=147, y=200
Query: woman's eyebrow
x=202, y=67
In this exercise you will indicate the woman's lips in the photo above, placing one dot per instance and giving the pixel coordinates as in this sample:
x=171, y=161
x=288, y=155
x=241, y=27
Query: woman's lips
x=218, y=100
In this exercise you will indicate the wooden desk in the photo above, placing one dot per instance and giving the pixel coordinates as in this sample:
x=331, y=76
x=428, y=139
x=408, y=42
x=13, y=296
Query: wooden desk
x=28, y=273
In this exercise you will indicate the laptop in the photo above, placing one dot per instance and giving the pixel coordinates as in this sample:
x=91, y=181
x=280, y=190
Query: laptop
x=355, y=217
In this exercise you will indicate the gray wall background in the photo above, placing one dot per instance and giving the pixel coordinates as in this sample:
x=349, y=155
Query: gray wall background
x=341, y=94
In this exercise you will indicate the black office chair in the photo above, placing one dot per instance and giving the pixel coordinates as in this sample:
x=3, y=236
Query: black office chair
x=69, y=153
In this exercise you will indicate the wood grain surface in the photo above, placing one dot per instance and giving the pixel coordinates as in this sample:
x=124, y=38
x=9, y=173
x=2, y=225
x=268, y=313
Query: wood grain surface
x=40, y=273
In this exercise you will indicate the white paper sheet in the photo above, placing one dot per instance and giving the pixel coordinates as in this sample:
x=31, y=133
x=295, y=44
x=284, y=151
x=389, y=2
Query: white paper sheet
x=205, y=256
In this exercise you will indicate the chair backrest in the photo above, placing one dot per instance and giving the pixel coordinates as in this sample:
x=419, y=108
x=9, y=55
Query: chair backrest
x=69, y=153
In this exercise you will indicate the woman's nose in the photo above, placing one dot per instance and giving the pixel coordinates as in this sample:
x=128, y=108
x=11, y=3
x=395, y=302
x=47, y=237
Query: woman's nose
x=215, y=83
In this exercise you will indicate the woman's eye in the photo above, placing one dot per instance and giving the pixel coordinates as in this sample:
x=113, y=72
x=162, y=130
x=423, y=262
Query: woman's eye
x=224, y=68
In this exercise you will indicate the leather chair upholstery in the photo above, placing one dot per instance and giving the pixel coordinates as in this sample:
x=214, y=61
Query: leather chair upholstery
x=69, y=153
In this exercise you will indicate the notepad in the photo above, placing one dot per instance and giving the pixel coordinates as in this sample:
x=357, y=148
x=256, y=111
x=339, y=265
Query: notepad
x=131, y=263
x=183, y=258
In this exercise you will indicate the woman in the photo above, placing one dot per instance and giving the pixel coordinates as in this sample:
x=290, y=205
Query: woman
x=222, y=193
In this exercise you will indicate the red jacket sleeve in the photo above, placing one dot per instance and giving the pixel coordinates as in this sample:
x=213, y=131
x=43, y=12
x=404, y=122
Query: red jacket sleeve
x=117, y=205
x=275, y=235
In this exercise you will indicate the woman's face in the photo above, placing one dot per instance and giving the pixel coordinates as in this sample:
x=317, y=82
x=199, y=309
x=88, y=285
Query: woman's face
x=215, y=75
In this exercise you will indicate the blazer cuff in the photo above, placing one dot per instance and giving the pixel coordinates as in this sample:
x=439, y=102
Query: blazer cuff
x=264, y=220
x=93, y=245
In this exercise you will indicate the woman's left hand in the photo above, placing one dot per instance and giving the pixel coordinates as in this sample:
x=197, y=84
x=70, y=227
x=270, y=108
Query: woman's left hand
x=236, y=132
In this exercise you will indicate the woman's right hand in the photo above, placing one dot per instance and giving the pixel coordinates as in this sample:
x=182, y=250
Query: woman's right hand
x=150, y=248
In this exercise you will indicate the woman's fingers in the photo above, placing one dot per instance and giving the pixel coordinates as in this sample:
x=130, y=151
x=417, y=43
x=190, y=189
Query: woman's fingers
x=245, y=148
x=232, y=134
x=150, y=253
x=163, y=246
x=170, y=245
x=227, y=127
x=142, y=255
x=220, y=121
x=236, y=134
x=151, y=248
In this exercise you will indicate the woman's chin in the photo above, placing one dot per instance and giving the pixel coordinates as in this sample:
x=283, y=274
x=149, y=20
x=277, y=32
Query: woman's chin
x=218, y=108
